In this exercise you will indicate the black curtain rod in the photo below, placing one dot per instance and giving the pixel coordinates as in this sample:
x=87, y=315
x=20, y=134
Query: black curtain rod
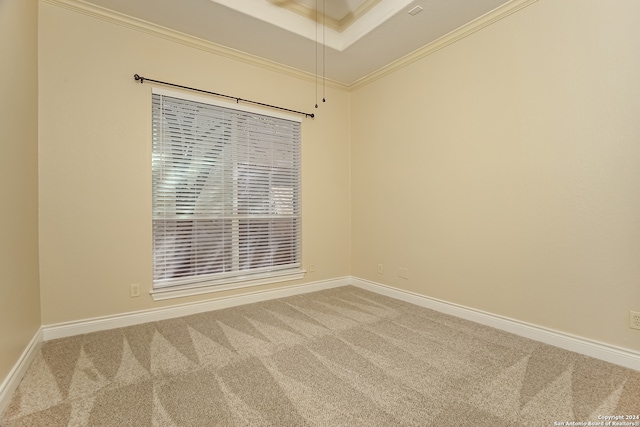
x=142, y=79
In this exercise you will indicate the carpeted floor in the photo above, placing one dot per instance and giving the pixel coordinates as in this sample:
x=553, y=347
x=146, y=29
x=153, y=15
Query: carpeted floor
x=341, y=357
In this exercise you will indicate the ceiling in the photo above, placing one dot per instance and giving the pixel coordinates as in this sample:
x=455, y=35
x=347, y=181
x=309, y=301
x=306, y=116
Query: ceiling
x=354, y=38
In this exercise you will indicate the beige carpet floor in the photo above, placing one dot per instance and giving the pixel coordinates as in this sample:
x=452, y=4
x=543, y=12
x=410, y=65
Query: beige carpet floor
x=341, y=357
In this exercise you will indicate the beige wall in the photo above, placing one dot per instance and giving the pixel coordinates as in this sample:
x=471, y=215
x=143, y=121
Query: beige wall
x=95, y=160
x=503, y=171
x=19, y=291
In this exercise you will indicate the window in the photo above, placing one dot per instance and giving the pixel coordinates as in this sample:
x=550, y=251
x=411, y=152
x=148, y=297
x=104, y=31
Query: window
x=226, y=194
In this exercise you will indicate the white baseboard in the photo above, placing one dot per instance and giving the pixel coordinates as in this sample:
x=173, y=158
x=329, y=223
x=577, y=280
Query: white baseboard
x=608, y=353
x=85, y=326
x=616, y=355
x=612, y=354
x=12, y=380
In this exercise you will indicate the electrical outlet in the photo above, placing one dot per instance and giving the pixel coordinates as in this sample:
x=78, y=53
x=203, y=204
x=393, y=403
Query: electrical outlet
x=135, y=290
x=380, y=268
x=403, y=272
x=634, y=319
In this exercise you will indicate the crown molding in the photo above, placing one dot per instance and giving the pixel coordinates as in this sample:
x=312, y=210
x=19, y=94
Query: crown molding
x=458, y=34
x=136, y=24
x=338, y=25
x=159, y=31
x=360, y=11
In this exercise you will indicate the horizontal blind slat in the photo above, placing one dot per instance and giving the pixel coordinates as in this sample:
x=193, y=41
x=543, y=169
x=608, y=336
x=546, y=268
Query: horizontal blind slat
x=226, y=192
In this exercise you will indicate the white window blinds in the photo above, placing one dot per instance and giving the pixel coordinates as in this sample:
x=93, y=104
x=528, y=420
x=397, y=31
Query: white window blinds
x=226, y=193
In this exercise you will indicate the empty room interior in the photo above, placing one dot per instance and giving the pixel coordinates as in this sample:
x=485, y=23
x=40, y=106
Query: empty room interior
x=462, y=213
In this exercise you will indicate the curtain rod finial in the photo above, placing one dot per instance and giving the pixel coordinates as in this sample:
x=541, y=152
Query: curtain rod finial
x=137, y=77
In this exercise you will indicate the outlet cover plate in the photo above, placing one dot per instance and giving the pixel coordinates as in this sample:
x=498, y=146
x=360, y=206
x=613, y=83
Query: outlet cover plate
x=634, y=319
x=135, y=290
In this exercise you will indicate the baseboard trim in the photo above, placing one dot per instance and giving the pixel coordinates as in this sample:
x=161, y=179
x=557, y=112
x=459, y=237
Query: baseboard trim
x=85, y=326
x=11, y=382
x=608, y=353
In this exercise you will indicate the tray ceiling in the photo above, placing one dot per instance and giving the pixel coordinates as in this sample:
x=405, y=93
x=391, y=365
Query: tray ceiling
x=361, y=36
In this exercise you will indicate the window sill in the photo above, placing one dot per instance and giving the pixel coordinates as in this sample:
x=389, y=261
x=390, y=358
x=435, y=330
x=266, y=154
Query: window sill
x=226, y=284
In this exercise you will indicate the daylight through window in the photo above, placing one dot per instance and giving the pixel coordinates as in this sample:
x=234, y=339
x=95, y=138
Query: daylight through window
x=226, y=193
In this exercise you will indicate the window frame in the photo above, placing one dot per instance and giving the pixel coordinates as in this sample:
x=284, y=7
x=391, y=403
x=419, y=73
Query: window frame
x=233, y=280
